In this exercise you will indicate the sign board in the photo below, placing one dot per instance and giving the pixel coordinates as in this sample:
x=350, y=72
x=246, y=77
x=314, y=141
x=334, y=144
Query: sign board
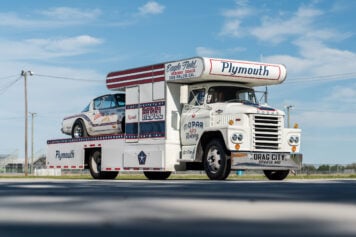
x=185, y=69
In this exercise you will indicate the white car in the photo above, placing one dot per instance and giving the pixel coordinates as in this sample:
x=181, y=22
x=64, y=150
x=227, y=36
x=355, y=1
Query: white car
x=103, y=115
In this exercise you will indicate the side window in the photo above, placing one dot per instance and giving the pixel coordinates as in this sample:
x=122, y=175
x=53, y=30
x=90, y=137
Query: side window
x=104, y=102
x=97, y=103
x=120, y=100
x=196, y=97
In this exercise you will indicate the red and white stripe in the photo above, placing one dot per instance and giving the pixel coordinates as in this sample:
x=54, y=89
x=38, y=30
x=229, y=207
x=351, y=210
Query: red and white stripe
x=135, y=76
x=66, y=167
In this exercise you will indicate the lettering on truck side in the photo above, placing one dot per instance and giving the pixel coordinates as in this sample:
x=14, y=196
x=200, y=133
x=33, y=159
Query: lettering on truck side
x=261, y=71
x=64, y=155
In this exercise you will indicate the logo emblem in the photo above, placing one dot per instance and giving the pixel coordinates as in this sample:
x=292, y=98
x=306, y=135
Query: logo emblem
x=142, y=158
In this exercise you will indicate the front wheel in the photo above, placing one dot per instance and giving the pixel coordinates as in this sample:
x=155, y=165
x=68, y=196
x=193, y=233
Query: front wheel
x=157, y=175
x=276, y=174
x=95, y=167
x=217, y=163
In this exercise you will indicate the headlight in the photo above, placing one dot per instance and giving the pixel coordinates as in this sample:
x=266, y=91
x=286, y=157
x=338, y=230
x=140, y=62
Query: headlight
x=237, y=138
x=293, y=140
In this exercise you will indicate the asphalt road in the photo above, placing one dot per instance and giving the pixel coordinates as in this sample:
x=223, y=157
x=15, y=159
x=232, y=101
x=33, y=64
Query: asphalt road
x=177, y=208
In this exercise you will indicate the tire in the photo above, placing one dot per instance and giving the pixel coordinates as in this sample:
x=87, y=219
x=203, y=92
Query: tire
x=79, y=129
x=217, y=164
x=276, y=174
x=157, y=175
x=95, y=167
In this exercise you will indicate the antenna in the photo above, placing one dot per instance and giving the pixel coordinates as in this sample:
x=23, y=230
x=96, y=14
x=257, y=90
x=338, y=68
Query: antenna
x=266, y=95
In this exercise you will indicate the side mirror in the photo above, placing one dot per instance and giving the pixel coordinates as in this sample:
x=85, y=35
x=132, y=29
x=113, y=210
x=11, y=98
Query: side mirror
x=184, y=90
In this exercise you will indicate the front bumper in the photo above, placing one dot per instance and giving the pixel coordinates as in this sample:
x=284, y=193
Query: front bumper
x=266, y=161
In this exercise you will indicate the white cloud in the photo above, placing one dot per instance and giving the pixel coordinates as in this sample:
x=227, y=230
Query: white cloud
x=343, y=94
x=277, y=30
x=318, y=60
x=67, y=13
x=47, y=47
x=234, y=18
x=151, y=8
x=326, y=119
x=210, y=52
x=50, y=18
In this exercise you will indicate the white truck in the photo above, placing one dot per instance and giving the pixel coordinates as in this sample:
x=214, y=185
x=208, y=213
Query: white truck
x=192, y=114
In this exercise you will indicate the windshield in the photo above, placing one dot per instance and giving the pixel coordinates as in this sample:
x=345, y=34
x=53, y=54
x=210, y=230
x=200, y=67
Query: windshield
x=86, y=109
x=222, y=94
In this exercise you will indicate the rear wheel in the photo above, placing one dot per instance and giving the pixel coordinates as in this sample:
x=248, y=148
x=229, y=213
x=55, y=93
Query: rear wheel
x=217, y=164
x=276, y=174
x=157, y=175
x=79, y=129
x=95, y=167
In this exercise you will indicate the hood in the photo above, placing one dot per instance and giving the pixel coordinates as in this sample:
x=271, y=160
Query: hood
x=245, y=108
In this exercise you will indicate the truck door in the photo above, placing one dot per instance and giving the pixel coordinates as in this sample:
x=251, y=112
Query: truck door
x=195, y=116
x=132, y=114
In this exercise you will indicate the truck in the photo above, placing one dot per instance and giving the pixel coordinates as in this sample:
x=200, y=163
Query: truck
x=197, y=113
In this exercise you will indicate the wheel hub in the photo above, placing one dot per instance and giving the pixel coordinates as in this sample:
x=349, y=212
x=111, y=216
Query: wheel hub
x=214, y=160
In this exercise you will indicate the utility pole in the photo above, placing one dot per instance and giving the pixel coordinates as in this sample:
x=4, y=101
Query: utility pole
x=24, y=74
x=32, y=132
x=288, y=113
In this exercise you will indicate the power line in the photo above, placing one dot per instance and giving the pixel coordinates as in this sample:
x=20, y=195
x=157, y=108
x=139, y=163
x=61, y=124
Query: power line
x=69, y=78
x=325, y=78
x=6, y=87
x=6, y=77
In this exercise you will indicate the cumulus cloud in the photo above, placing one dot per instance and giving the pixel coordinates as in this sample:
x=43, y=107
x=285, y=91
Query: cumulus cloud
x=68, y=13
x=210, y=52
x=151, y=8
x=49, y=18
x=44, y=48
x=234, y=18
x=343, y=94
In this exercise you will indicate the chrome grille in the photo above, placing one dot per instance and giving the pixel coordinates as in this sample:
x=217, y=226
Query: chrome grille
x=267, y=132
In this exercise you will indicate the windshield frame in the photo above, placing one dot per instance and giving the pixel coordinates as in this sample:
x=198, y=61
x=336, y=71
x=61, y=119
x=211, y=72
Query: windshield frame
x=231, y=94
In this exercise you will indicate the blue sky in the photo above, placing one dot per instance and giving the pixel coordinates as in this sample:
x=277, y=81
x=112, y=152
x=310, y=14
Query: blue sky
x=87, y=39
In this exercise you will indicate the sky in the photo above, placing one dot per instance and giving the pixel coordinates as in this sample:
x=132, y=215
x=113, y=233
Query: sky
x=70, y=46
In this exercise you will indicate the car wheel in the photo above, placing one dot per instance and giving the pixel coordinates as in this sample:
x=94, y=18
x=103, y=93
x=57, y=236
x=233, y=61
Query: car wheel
x=79, y=130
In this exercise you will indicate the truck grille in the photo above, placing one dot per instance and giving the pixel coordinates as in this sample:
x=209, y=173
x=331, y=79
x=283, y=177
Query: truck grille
x=267, y=132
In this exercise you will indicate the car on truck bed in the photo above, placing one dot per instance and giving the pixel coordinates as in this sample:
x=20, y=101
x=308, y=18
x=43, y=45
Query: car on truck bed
x=103, y=115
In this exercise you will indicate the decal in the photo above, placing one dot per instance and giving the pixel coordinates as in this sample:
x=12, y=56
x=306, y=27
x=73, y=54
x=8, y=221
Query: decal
x=184, y=69
x=152, y=113
x=64, y=155
x=192, y=129
x=253, y=70
x=142, y=158
x=234, y=70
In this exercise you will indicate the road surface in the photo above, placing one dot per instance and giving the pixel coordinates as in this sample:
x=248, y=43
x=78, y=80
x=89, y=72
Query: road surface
x=177, y=208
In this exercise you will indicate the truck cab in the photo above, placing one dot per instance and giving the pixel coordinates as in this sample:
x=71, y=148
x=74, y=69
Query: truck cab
x=223, y=124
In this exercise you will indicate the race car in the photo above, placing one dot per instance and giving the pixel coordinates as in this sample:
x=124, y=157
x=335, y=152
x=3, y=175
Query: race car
x=103, y=115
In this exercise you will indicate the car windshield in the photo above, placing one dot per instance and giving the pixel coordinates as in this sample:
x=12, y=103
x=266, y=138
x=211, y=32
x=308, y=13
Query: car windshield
x=86, y=109
x=226, y=94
